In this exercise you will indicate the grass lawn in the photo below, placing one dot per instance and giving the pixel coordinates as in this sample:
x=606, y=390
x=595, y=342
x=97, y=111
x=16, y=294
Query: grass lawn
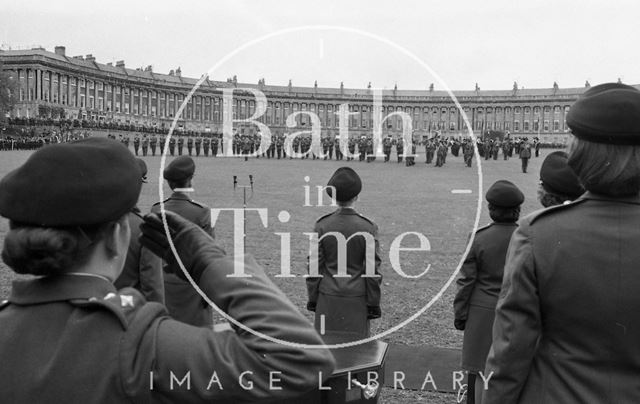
x=399, y=199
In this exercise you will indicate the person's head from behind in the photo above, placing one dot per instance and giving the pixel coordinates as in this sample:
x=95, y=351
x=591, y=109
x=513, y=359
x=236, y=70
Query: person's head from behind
x=605, y=149
x=67, y=207
x=558, y=182
x=179, y=173
x=347, y=186
x=504, y=200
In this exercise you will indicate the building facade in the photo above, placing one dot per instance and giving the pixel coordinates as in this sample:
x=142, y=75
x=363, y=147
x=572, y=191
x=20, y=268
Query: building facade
x=81, y=88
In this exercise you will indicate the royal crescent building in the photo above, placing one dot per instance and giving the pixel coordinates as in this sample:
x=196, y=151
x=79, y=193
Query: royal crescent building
x=83, y=88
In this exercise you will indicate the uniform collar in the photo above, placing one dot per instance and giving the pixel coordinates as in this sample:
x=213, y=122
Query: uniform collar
x=633, y=199
x=59, y=288
x=346, y=211
x=179, y=195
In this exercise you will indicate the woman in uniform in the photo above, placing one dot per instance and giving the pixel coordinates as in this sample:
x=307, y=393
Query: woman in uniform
x=67, y=335
x=567, y=328
x=480, y=281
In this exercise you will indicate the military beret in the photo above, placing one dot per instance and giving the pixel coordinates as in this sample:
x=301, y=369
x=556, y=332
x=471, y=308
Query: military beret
x=143, y=169
x=504, y=194
x=81, y=183
x=558, y=178
x=607, y=113
x=346, y=182
x=180, y=169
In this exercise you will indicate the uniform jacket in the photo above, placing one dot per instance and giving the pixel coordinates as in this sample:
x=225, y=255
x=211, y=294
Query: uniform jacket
x=347, y=222
x=142, y=269
x=481, y=273
x=182, y=300
x=567, y=328
x=75, y=339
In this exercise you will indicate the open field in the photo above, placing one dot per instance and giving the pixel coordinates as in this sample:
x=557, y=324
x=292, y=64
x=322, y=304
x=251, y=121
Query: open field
x=399, y=199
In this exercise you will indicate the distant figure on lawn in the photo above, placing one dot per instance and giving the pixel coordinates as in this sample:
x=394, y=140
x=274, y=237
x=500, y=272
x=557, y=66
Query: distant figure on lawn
x=347, y=247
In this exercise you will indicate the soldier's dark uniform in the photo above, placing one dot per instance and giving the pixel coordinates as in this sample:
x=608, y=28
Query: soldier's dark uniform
x=214, y=146
x=136, y=144
x=153, y=142
x=205, y=146
x=352, y=148
x=190, y=145
x=347, y=303
x=74, y=338
x=400, y=149
x=336, y=146
x=387, y=142
x=172, y=145
x=180, y=145
x=145, y=145
x=182, y=300
x=198, y=145
x=480, y=281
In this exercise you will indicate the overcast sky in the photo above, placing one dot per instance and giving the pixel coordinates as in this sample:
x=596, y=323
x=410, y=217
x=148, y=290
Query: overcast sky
x=493, y=43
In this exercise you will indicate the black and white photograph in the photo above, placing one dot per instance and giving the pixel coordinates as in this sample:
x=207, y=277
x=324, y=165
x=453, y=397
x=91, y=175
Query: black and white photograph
x=319, y=202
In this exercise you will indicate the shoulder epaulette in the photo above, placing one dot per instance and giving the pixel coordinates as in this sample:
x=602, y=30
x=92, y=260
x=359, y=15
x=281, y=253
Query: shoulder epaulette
x=483, y=228
x=158, y=203
x=202, y=205
x=544, y=212
x=324, y=216
x=366, y=218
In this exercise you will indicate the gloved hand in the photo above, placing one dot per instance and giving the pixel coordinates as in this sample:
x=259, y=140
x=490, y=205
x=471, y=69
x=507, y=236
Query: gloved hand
x=373, y=312
x=459, y=324
x=189, y=240
x=311, y=306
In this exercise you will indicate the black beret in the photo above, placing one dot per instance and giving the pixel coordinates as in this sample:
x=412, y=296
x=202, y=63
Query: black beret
x=346, y=182
x=180, y=169
x=82, y=183
x=607, y=113
x=558, y=178
x=143, y=169
x=504, y=194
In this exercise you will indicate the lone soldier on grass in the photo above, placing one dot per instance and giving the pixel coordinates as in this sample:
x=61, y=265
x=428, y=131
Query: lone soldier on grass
x=345, y=304
x=182, y=300
x=525, y=155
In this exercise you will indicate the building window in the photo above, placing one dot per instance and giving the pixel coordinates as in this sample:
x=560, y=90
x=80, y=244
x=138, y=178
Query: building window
x=527, y=110
x=556, y=125
x=546, y=126
x=516, y=126
x=516, y=110
x=525, y=126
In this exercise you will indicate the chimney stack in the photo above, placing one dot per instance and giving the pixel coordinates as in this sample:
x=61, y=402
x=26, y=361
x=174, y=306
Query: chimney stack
x=89, y=58
x=120, y=63
x=60, y=50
